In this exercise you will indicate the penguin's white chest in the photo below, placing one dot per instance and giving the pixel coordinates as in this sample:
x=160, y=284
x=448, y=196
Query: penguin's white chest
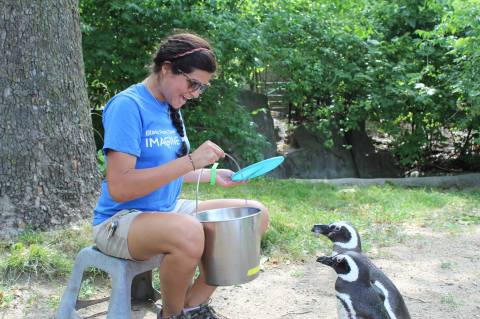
x=342, y=312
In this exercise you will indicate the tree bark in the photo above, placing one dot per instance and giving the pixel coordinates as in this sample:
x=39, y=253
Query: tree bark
x=48, y=172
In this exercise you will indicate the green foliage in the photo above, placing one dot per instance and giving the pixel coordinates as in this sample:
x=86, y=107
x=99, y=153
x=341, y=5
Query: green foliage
x=120, y=38
x=417, y=103
x=410, y=68
x=382, y=62
x=220, y=120
x=101, y=165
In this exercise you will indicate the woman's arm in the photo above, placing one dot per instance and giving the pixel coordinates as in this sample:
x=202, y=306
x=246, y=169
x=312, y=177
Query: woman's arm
x=192, y=177
x=125, y=182
x=223, y=177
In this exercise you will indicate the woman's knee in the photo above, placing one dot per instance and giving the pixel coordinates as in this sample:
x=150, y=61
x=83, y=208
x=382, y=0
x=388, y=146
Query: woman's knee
x=190, y=239
x=265, y=221
x=257, y=204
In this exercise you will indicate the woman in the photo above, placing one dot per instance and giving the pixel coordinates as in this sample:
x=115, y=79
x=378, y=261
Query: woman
x=139, y=214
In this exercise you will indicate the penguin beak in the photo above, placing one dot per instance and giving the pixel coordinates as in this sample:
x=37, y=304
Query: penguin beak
x=320, y=229
x=328, y=261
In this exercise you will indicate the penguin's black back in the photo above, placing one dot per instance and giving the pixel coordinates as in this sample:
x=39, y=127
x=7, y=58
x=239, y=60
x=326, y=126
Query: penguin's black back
x=366, y=302
x=394, y=297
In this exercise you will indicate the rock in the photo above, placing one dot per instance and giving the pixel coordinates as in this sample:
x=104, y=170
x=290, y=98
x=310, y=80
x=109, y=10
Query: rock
x=258, y=105
x=311, y=159
x=369, y=162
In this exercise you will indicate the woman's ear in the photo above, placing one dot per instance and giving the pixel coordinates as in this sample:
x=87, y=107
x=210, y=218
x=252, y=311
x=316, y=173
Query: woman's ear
x=166, y=68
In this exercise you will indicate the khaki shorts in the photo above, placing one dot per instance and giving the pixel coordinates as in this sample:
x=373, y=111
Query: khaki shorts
x=117, y=245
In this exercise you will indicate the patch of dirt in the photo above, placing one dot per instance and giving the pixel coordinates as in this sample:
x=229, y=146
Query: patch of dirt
x=437, y=273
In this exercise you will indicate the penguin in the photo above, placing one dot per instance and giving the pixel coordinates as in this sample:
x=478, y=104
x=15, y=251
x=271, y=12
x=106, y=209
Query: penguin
x=346, y=238
x=357, y=298
x=343, y=235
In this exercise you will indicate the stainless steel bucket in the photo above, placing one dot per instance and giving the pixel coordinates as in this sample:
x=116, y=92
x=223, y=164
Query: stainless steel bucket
x=232, y=245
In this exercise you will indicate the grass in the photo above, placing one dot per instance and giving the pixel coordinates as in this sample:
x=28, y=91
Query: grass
x=379, y=212
x=450, y=301
x=447, y=265
x=5, y=297
x=45, y=255
x=35, y=260
x=36, y=255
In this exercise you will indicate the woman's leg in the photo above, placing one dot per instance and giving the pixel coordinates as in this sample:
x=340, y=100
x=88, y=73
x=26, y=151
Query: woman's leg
x=200, y=291
x=180, y=238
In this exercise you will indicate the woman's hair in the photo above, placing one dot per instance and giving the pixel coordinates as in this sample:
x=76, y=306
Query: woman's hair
x=185, y=52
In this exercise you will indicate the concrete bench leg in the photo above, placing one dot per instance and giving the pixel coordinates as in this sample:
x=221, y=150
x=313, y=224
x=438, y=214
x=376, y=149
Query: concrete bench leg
x=121, y=271
x=69, y=298
x=120, y=305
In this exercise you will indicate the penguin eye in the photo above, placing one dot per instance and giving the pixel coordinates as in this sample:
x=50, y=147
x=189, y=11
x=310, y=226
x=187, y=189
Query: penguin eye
x=337, y=228
x=339, y=259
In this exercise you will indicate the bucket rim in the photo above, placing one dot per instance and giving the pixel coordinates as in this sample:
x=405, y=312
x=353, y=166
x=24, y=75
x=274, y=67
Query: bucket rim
x=230, y=219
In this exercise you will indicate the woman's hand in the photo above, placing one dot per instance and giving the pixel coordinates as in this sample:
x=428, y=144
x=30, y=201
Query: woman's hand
x=224, y=178
x=206, y=154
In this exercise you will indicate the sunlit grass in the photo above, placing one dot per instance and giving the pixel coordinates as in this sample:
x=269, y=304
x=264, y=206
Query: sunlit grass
x=49, y=255
x=378, y=212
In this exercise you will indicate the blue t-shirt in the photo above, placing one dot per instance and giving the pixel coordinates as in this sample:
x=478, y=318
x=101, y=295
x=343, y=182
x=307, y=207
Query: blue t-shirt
x=138, y=124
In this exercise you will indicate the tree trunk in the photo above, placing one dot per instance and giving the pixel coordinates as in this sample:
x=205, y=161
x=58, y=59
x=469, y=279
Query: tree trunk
x=48, y=172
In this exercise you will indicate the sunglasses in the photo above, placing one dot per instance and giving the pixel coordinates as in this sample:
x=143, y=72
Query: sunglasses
x=193, y=84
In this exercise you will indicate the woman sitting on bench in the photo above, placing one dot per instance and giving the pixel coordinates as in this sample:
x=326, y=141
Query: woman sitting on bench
x=148, y=158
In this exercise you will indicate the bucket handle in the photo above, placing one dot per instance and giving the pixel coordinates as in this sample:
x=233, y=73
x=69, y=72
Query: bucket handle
x=200, y=177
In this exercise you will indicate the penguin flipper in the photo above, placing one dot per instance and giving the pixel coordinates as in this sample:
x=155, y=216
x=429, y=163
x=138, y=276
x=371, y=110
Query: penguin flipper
x=383, y=312
x=379, y=291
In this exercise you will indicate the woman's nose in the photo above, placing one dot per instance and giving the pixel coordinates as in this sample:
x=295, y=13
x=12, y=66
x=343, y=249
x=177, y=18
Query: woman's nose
x=195, y=94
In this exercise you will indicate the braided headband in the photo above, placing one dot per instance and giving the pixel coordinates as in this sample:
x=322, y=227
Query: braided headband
x=189, y=52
